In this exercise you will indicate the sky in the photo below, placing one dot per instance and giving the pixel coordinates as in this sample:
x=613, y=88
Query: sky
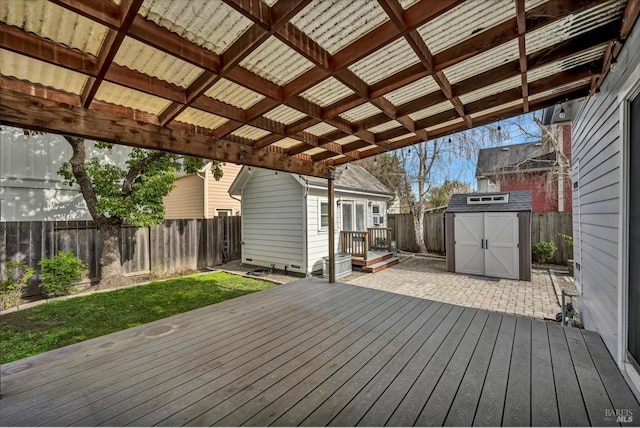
x=456, y=167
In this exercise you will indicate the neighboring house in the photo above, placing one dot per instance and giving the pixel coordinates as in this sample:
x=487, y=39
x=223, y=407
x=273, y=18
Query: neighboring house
x=30, y=187
x=200, y=195
x=285, y=217
x=606, y=209
x=541, y=167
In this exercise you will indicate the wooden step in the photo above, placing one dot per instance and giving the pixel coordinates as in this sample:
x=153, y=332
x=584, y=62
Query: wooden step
x=377, y=267
x=359, y=261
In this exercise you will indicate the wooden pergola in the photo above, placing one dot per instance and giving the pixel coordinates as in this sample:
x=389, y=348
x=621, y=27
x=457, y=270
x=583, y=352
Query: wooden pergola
x=299, y=86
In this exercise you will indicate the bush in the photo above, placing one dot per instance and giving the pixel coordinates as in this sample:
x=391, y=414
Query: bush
x=12, y=282
x=59, y=273
x=543, y=251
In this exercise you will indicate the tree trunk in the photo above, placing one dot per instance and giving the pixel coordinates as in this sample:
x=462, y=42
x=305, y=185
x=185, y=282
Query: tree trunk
x=418, y=224
x=110, y=266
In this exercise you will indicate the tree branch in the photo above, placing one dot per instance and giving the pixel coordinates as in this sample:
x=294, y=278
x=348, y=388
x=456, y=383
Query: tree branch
x=138, y=169
x=77, y=162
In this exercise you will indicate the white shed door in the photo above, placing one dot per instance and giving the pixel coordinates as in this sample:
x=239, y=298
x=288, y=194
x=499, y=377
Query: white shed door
x=468, y=236
x=487, y=244
x=501, y=242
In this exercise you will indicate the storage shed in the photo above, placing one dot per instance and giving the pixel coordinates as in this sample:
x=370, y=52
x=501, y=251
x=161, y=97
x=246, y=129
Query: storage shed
x=490, y=234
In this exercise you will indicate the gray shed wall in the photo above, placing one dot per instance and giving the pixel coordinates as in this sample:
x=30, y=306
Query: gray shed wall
x=524, y=237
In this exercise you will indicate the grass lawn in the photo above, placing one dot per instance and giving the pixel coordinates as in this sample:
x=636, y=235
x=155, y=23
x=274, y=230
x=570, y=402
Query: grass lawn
x=56, y=324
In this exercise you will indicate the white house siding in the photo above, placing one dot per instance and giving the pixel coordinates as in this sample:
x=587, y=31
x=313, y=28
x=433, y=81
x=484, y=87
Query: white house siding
x=317, y=241
x=218, y=196
x=272, y=221
x=597, y=149
x=30, y=187
x=186, y=200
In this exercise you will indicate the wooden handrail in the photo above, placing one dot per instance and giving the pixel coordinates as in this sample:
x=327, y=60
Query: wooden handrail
x=380, y=238
x=354, y=242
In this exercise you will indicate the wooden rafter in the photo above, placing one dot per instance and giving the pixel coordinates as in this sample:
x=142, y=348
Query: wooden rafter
x=111, y=44
x=32, y=112
x=522, y=30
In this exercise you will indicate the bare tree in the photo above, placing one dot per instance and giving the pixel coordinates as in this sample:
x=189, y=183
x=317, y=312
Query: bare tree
x=430, y=163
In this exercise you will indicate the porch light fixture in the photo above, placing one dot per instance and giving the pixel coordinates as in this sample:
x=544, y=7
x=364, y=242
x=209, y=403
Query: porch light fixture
x=614, y=65
x=338, y=202
x=562, y=114
x=370, y=203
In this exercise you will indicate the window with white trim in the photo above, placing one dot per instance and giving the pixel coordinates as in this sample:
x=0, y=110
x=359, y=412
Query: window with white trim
x=323, y=215
x=223, y=213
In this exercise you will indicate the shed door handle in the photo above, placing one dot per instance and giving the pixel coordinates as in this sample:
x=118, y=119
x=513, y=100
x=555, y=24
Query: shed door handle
x=482, y=243
x=486, y=244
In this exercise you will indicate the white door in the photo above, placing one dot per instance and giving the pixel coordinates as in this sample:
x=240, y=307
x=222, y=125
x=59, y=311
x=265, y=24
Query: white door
x=501, y=245
x=354, y=216
x=469, y=243
x=487, y=244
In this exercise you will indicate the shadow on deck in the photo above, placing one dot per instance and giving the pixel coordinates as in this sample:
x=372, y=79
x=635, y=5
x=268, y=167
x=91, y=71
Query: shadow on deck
x=312, y=353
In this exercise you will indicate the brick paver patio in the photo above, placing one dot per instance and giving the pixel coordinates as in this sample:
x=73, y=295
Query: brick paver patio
x=429, y=279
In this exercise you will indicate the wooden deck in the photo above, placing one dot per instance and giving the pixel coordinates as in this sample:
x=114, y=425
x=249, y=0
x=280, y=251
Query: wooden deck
x=310, y=353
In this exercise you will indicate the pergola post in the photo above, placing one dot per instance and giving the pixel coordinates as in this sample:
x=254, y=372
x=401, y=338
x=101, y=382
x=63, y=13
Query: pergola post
x=332, y=236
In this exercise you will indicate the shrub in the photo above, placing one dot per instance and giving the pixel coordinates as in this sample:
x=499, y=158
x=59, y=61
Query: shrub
x=12, y=282
x=543, y=251
x=59, y=273
x=567, y=238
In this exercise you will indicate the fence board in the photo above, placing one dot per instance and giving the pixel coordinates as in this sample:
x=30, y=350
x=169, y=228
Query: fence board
x=173, y=246
x=544, y=227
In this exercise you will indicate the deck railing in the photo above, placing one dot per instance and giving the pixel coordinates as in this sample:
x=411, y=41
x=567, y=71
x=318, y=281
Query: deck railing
x=355, y=243
x=358, y=243
x=379, y=238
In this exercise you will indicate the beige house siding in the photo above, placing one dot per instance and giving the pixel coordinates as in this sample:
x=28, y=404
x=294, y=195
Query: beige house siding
x=186, y=199
x=218, y=191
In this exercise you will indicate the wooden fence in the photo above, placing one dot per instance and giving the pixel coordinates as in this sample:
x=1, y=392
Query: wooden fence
x=173, y=246
x=544, y=227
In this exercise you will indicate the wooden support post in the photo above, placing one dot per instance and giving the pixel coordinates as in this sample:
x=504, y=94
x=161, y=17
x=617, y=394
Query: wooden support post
x=332, y=236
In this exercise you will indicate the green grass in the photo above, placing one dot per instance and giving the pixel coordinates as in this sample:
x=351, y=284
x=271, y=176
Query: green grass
x=56, y=324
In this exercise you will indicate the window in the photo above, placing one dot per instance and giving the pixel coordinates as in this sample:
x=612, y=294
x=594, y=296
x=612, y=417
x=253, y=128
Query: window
x=323, y=215
x=490, y=199
x=375, y=209
x=223, y=213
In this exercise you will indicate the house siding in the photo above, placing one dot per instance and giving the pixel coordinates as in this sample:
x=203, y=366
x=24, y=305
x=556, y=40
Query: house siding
x=318, y=240
x=186, y=200
x=597, y=149
x=30, y=187
x=218, y=195
x=274, y=200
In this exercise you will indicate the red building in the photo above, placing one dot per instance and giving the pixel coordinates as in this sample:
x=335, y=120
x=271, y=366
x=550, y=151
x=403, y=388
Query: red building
x=542, y=167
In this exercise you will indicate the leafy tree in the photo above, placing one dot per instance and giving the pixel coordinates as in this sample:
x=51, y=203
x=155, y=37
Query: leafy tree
x=387, y=168
x=439, y=196
x=133, y=195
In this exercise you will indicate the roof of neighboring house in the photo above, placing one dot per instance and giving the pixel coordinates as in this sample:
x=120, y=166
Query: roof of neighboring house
x=519, y=200
x=524, y=156
x=351, y=177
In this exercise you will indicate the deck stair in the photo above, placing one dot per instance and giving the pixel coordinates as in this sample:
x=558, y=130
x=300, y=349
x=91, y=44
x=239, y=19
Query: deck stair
x=376, y=261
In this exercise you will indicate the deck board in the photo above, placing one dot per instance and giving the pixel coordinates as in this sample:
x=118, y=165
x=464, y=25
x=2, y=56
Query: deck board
x=311, y=353
x=544, y=403
x=517, y=411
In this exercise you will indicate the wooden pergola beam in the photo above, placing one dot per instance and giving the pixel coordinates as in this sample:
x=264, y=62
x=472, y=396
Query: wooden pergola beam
x=128, y=11
x=27, y=111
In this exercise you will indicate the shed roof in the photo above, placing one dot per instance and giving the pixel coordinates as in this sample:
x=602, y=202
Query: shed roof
x=525, y=156
x=296, y=85
x=353, y=177
x=519, y=200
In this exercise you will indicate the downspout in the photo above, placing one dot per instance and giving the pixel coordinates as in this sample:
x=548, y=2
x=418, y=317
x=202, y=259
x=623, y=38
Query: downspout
x=206, y=193
x=305, y=226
